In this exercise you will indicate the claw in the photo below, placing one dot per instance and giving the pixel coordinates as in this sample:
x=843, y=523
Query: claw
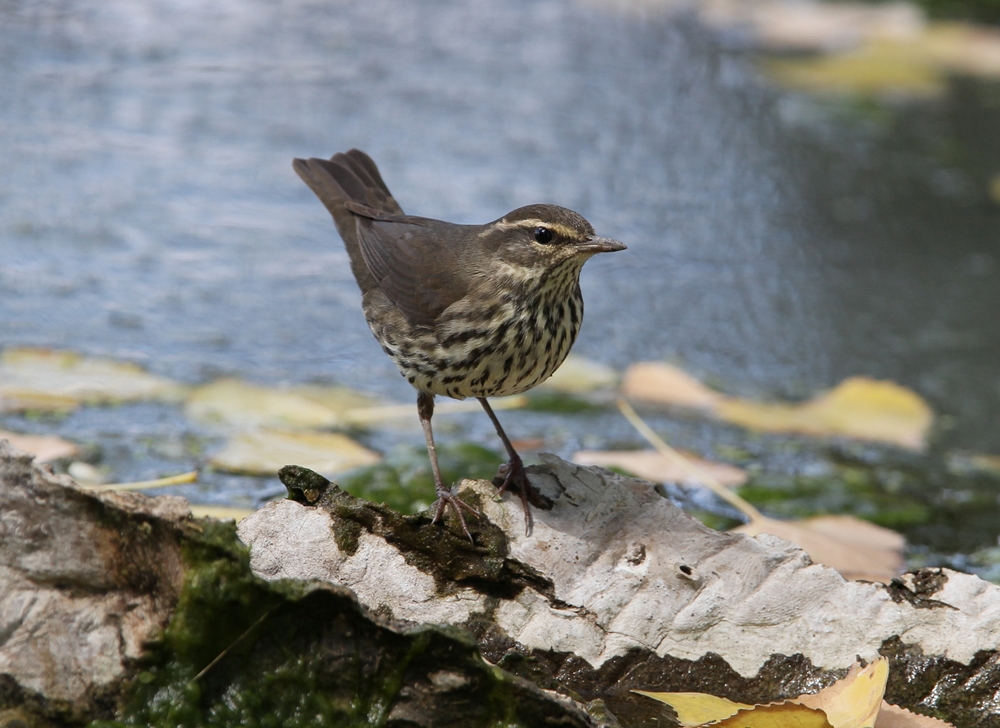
x=512, y=472
x=446, y=499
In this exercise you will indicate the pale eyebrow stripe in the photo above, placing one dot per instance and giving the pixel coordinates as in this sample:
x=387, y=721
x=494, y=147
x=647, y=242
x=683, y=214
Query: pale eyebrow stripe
x=557, y=228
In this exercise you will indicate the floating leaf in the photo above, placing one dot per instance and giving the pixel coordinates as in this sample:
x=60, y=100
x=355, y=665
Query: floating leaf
x=44, y=447
x=859, y=550
x=234, y=403
x=224, y=513
x=49, y=380
x=993, y=190
x=578, y=375
x=654, y=466
x=804, y=27
x=859, y=407
x=964, y=48
x=875, y=68
x=669, y=385
x=265, y=451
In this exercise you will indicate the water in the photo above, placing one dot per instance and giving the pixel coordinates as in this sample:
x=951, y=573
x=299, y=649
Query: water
x=777, y=244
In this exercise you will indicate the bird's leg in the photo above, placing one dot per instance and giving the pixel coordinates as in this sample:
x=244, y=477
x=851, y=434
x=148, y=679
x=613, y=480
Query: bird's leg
x=425, y=408
x=515, y=467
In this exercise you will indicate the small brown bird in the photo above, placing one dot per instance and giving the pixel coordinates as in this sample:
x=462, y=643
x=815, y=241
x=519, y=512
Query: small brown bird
x=463, y=310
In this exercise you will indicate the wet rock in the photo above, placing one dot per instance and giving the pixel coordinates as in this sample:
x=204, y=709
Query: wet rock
x=616, y=589
x=85, y=581
x=124, y=609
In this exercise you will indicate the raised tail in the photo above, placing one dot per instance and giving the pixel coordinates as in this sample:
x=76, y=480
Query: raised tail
x=348, y=177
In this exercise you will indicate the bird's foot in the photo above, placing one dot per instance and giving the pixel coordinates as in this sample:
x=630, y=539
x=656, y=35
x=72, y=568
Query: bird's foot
x=513, y=474
x=448, y=499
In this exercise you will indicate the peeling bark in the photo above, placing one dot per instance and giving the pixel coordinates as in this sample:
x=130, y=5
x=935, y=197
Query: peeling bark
x=623, y=590
x=124, y=609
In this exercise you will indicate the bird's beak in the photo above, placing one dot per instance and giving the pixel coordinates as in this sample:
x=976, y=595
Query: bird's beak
x=600, y=245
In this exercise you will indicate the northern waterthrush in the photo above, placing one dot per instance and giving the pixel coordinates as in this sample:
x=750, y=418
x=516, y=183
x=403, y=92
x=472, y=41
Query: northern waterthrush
x=463, y=310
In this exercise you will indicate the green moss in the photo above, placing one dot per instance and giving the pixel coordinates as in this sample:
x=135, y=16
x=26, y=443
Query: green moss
x=558, y=402
x=404, y=480
x=987, y=11
x=855, y=491
x=240, y=651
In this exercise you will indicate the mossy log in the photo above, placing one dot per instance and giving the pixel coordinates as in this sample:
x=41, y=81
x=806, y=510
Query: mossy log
x=117, y=609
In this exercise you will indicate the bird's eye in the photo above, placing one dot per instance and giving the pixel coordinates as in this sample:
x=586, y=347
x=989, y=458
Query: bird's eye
x=543, y=235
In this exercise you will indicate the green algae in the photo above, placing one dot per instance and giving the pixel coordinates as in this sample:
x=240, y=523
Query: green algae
x=852, y=491
x=403, y=480
x=241, y=651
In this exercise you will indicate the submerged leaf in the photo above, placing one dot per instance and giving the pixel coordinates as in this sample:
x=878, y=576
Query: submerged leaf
x=266, y=451
x=578, y=375
x=246, y=406
x=223, y=513
x=669, y=385
x=859, y=407
x=44, y=447
x=654, y=466
x=855, y=548
x=50, y=380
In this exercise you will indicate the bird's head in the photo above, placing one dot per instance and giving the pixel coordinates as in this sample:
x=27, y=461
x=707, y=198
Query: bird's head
x=539, y=237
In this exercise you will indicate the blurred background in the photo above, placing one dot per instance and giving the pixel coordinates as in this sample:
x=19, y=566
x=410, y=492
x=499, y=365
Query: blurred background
x=808, y=191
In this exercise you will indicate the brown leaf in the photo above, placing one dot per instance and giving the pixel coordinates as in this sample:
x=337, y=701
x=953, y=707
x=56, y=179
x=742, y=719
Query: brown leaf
x=43, y=447
x=858, y=407
x=653, y=466
x=892, y=716
x=666, y=384
x=851, y=702
x=855, y=548
x=854, y=700
x=265, y=451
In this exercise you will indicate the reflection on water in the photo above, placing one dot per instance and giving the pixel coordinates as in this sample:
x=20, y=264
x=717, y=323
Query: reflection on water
x=148, y=209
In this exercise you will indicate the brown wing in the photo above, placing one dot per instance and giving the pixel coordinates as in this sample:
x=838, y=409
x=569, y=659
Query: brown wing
x=412, y=259
x=414, y=262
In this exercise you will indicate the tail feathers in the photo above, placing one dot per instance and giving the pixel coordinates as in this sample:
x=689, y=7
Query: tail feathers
x=349, y=177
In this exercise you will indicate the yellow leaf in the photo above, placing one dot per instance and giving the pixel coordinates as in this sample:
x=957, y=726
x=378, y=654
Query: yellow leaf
x=858, y=407
x=60, y=380
x=854, y=701
x=876, y=67
x=654, y=466
x=578, y=375
x=666, y=384
x=777, y=715
x=223, y=513
x=695, y=709
x=994, y=189
x=248, y=406
x=265, y=451
x=43, y=447
x=892, y=716
x=855, y=548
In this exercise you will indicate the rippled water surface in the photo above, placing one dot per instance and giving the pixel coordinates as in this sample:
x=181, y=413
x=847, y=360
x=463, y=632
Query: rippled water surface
x=148, y=209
